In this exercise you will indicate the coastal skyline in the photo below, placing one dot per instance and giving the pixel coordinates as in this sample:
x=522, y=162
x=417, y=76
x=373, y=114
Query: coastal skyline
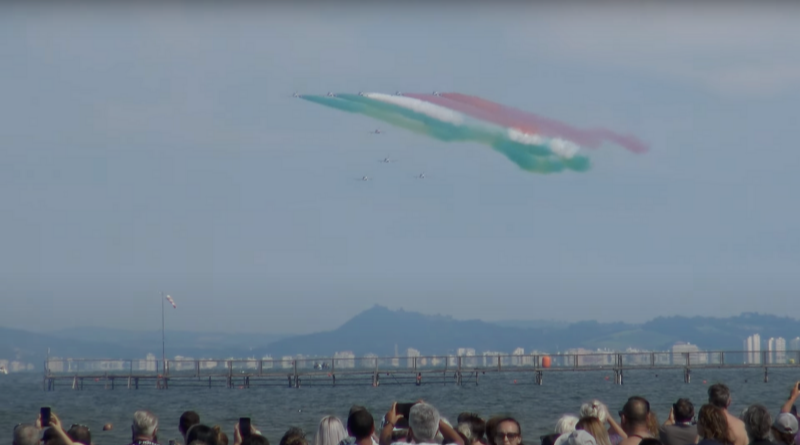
x=150, y=149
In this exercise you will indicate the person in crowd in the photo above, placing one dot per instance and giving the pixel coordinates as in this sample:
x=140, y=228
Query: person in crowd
x=222, y=438
x=678, y=428
x=51, y=437
x=594, y=426
x=651, y=441
x=255, y=439
x=25, y=434
x=424, y=423
x=491, y=427
x=757, y=423
x=598, y=409
x=330, y=431
x=188, y=419
x=550, y=439
x=579, y=437
x=294, y=436
x=508, y=432
x=790, y=407
x=652, y=423
x=712, y=426
x=784, y=429
x=566, y=424
x=719, y=395
x=472, y=427
x=202, y=433
x=80, y=434
x=634, y=420
x=144, y=429
x=361, y=427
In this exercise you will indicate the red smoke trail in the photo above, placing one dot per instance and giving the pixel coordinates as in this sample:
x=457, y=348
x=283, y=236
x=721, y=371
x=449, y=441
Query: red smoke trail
x=531, y=123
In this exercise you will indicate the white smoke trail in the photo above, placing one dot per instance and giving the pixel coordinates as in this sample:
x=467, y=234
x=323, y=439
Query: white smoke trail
x=560, y=147
x=420, y=106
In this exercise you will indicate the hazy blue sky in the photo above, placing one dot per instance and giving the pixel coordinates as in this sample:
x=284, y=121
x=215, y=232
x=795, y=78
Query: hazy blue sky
x=148, y=150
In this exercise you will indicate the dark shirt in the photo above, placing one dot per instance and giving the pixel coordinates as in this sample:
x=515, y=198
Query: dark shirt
x=143, y=442
x=678, y=434
x=710, y=442
x=762, y=442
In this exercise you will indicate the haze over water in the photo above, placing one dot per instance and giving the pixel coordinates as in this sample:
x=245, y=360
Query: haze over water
x=275, y=409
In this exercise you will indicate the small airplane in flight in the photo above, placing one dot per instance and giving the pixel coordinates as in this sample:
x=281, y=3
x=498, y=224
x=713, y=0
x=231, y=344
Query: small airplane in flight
x=436, y=93
x=296, y=95
x=331, y=94
x=365, y=178
x=388, y=159
x=397, y=93
x=421, y=176
x=377, y=131
x=361, y=93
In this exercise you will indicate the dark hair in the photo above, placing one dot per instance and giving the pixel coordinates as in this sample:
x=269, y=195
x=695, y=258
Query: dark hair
x=719, y=395
x=491, y=428
x=188, y=420
x=477, y=426
x=294, y=436
x=650, y=441
x=550, y=439
x=714, y=423
x=80, y=433
x=355, y=408
x=50, y=437
x=255, y=439
x=793, y=410
x=360, y=424
x=683, y=410
x=636, y=410
x=202, y=433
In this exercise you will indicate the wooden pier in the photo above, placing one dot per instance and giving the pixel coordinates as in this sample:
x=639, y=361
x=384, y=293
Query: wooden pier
x=110, y=374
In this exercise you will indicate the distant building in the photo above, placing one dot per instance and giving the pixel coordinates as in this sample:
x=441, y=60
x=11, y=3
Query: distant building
x=411, y=353
x=681, y=349
x=776, y=350
x=794, y=344
x=287, y=362
x=344, y=359
x=752, y=348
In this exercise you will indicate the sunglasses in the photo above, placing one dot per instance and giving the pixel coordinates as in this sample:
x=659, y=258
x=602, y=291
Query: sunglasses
x=503, y=436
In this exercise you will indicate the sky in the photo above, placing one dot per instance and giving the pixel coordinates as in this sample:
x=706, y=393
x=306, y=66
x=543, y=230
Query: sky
x=150, y=149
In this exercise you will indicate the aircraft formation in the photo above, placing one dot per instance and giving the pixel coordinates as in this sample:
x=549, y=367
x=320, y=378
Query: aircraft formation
x=387, y=159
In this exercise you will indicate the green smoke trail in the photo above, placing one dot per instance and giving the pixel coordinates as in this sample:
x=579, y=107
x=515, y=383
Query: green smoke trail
x=531, y=158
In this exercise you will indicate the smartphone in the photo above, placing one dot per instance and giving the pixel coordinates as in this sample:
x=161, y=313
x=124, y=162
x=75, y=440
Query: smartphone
x=403, y=409
x=244, y=426
x=45, y=412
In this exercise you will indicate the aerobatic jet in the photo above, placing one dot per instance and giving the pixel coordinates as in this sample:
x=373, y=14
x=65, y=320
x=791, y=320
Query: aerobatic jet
x=331, y=94
x=436, y=93
x=377, y=131
x=388, y=159
x=397, y=93
x=295, y=94
x=366, y=178
x=421, y=176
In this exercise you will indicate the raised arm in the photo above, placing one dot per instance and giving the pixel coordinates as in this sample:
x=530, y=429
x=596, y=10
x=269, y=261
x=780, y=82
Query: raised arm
x=449, y=433
x=390, y=421
x=787, y=407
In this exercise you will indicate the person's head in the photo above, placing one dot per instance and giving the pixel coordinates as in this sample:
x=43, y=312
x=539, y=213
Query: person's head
x=25, y=434
x=491, y=427
x=80, y=434
x=719, y=395
x=712, y=424
x=145, y=425
x=784, y=428
x=255, y=439
x=595, y=408
x=635, y=413
x=508, y=432
x=683, y=410
x=294, y=436
x=360, y=424
x=423, y=422
x=50, y=437
x=202, y=433
x=757, y=422
x=355, y=408
x=188, y=419
x=580, y=437
x=330, y=431
x=594, y=426
x=471, y=426
x=566, y=424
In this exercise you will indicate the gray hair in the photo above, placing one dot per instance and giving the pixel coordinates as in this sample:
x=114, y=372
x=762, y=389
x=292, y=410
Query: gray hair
x=566, y=424
x=423, y=419
x=595, y=409
x=26, y=434
x=330, y=431
x=757, y=422
x=145, y=423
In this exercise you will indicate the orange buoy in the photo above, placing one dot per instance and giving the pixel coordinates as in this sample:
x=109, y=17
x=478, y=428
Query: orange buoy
x=546, y=361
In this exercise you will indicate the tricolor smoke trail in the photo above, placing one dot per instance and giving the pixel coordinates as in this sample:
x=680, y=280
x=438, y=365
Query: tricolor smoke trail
x=447, y=119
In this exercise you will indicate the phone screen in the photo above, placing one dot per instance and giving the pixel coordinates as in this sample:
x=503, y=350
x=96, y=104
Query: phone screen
x=403, y=409
x=45, y=412
x=244, y=426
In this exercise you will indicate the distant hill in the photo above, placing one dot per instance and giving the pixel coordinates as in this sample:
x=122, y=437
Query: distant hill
x=378, y=329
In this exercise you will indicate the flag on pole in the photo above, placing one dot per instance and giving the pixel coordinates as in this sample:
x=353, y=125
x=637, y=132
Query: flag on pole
x=172, y=302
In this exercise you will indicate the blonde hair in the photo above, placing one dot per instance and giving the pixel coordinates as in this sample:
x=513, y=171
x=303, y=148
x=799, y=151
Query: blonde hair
x=594, y=426
x=330, y=431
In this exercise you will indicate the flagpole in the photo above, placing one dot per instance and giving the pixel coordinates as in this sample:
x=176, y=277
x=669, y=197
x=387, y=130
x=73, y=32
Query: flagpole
x=163, y=348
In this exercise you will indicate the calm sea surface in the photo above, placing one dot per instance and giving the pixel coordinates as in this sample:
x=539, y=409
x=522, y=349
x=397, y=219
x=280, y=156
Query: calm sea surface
x=274, y=409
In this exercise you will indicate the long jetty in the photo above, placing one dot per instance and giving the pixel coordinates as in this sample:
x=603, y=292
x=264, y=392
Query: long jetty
x=376, y=371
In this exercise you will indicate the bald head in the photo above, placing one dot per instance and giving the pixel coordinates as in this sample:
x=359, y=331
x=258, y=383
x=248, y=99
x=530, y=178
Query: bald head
x=636, y=410
x=26, y=434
